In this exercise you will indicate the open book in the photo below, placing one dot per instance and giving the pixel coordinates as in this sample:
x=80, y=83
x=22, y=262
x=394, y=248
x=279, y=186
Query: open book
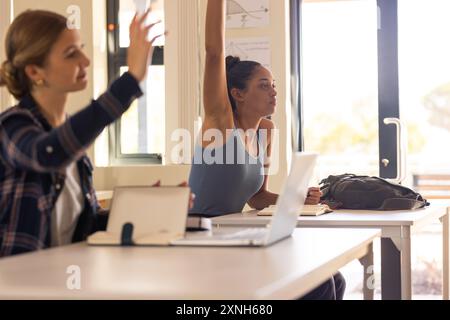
x=308, y=210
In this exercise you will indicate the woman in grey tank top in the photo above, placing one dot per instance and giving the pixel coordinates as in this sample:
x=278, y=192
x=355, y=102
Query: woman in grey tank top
x=231, y=155
x=230, y=158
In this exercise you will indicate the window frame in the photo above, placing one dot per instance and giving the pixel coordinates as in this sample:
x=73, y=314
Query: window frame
x=116, y=57
x=388, y=102
x=388, y=79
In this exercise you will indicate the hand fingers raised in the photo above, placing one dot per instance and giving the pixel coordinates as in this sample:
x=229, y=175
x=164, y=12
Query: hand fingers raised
x=156, y=37
x=144, y=16
x=151, y=25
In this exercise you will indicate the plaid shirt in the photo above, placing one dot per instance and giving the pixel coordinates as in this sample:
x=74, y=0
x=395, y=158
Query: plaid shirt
x=33, y=159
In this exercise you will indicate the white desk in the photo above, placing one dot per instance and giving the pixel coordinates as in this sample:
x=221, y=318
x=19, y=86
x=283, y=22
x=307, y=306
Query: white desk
x=285, y=270
x=396, y=228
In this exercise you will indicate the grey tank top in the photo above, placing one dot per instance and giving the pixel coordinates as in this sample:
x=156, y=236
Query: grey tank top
x=223, y=179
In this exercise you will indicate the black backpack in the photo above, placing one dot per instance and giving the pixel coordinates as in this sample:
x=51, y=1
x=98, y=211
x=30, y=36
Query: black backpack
x=349, y=191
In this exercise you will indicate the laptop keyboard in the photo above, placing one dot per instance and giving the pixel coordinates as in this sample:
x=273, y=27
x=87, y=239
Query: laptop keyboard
x=249, y=233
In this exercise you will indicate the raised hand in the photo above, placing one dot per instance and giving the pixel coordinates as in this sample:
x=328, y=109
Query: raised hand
x=140, y=50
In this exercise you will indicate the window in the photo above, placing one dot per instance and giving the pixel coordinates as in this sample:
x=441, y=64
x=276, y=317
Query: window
x=340, y=85
x=139, y=136
x=425, y=83
x=346, y=66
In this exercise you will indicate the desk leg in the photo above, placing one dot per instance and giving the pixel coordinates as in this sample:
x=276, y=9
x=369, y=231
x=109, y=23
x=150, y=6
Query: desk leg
x=390, y=270
x=406, y=264
x=445, y=256
x=368, y=266
x=396, y=266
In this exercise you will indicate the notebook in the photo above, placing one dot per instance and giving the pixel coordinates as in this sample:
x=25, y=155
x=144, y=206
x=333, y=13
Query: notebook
x=307, y=210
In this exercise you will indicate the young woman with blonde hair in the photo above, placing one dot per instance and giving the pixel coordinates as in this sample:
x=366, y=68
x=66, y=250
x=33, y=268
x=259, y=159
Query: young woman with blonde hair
x=46, y=191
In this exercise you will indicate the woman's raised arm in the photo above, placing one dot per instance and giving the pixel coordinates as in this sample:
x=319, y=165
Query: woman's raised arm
x=215, y=95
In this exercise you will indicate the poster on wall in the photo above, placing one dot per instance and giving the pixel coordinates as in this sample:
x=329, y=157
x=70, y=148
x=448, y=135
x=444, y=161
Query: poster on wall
x=257, y=49
x=247, y=13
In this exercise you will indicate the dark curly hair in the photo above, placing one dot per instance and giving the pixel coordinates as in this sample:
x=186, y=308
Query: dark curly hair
x=238, y=74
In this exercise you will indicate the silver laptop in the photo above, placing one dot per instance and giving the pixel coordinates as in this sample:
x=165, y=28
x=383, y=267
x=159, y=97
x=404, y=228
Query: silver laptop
x=283, y=222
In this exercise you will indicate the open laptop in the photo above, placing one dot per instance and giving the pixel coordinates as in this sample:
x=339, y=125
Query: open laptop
x=283, y=221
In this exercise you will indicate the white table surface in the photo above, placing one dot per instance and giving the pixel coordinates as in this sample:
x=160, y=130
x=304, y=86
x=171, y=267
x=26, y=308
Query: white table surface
x=285, y=270
x=365, y=218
